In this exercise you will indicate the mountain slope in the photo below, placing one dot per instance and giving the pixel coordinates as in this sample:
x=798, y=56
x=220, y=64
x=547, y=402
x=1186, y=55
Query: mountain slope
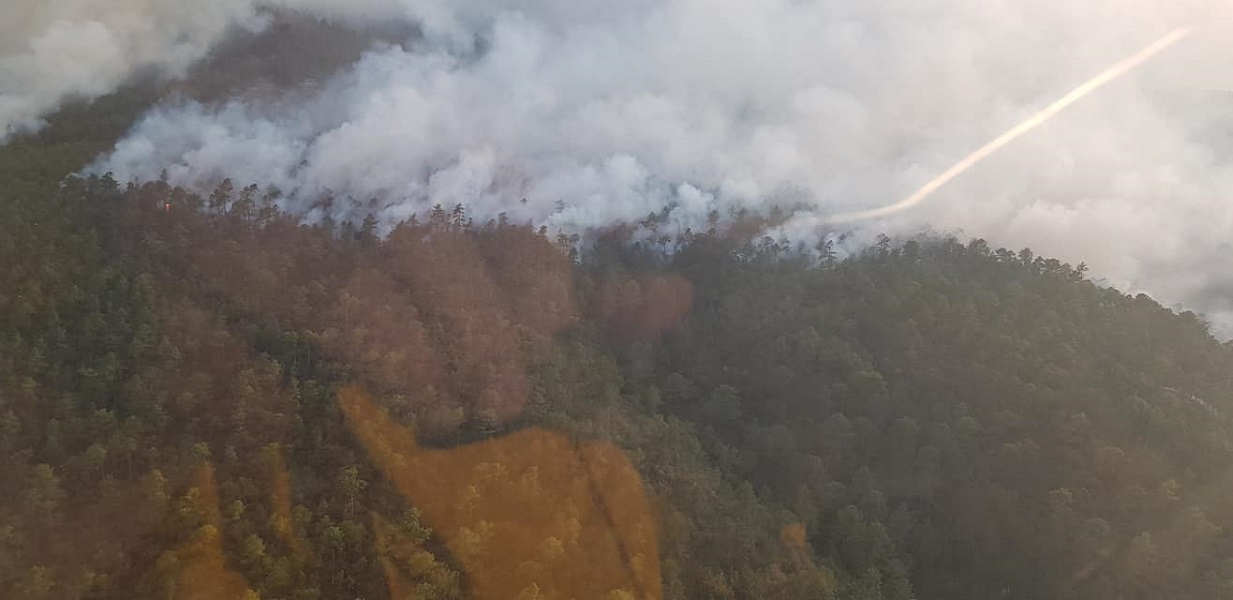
x=928, y=419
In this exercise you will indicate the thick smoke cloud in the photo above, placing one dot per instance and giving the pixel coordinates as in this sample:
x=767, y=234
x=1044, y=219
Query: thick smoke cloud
x=52, y=50
x=596, y=111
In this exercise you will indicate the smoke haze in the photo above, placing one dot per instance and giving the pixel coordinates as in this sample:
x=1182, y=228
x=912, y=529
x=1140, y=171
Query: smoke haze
x=595, y=112
x=53, y=50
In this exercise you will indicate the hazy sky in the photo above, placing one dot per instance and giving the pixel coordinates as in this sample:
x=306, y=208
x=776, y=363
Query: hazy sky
x=613, y=109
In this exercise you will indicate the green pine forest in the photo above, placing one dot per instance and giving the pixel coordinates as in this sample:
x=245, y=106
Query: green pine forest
x=931, y=419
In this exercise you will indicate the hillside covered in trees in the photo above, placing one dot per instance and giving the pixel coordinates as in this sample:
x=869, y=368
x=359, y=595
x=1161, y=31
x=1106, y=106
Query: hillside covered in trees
x=191, y=387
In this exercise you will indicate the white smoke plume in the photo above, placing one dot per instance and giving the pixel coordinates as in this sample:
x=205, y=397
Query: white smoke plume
x=53, y=50
x=598, y=111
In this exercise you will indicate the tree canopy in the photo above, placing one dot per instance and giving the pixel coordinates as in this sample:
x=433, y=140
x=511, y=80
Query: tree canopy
x=928, y=419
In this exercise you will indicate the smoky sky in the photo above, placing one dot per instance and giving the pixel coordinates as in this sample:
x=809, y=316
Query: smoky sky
x=581, y=113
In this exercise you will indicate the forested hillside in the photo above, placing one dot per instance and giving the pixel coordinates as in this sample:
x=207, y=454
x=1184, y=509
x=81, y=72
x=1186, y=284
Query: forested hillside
x=197, y=394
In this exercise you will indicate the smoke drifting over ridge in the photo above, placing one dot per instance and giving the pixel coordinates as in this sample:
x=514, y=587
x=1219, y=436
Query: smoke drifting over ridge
x=596, y=112
x=53, y=50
